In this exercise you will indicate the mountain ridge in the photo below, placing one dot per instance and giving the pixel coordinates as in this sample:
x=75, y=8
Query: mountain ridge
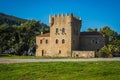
x=10, y=20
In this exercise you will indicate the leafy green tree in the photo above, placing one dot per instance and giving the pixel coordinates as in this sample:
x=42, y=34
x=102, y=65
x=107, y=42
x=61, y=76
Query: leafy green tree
x=25, y=36
x=4, y=31
x=109, y=32
x=116, y=44
x=18, y=35
x=20, y=38
x=3, y=27
x=107, y=51
x=92, y=29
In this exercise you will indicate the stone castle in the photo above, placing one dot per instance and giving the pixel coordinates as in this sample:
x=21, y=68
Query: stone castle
x=66, y=40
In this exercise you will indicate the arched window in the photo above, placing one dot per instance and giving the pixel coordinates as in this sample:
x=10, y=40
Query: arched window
x=56, y=30
x=40, y=41
x=63, y=41
x=46, y=41
x=56, y=41
x=63, y=30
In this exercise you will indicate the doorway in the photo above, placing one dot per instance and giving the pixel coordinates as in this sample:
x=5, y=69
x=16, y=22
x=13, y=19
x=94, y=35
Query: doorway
x=42, y=52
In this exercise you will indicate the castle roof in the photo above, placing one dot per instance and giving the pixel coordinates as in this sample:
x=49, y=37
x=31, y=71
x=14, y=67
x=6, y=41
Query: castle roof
x=91, y=33
x=44, y=35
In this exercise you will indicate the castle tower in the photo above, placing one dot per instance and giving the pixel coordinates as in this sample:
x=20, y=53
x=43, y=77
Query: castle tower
x=65, y=39
x=64, y=34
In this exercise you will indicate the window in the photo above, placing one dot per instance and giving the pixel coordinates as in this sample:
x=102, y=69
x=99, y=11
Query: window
x=40, y=41
x=97, y=49
x=46, y=41
x=73, y=41
x=92, y=41
x=63, y=41
x=97, y=41
x=56, y=41
x=63, y=30
x=56, y=30
x=74, y=31
x=59, y=51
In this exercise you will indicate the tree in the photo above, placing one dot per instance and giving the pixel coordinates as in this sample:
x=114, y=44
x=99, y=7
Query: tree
x=24, y=40
x=18, y=35
x=109, y=32
x=114, y=41
x=4, y=32
x=92, y=29
x=116, y=44
x=3, y=27
x=107, y=51
x=25, y=36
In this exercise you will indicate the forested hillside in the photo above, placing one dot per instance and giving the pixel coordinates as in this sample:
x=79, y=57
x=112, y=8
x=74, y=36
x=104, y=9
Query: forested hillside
x=10, y=20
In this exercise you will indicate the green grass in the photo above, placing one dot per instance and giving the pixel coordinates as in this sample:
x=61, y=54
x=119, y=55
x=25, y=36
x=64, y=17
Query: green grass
x=61, y=71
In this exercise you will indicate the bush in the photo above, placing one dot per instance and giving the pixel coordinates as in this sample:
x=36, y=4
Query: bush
x=102, y=54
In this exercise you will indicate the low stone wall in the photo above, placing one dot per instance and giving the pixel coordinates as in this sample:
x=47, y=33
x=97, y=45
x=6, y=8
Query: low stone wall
x=83, y=54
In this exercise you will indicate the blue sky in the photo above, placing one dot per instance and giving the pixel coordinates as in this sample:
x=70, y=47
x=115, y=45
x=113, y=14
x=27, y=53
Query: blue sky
x=94, y=13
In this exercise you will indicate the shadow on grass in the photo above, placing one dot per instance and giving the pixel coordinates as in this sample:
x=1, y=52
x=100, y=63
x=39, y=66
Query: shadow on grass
x=4, y=55
x=35, y=57
x=30, y=57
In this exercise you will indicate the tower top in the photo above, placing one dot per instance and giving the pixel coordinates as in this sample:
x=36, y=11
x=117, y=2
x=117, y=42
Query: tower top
x=66, y=18
x=67, y=15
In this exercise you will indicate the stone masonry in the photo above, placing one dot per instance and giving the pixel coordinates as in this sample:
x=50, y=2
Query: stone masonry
x=64, y=38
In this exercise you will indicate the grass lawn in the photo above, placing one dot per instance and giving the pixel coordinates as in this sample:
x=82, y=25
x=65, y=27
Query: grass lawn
x=61, y=71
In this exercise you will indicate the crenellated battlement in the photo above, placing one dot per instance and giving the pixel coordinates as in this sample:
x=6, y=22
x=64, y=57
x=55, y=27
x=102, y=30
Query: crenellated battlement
x=66, y=15
x=60, y=18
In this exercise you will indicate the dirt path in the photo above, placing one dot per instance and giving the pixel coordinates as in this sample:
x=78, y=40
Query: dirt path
x=7, y=60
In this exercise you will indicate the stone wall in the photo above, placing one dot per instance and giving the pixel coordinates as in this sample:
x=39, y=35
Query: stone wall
x=73, y=40
x=92, y=42
x=43, y=48
x=59, y=22
x=83, y=54
x=76, y=26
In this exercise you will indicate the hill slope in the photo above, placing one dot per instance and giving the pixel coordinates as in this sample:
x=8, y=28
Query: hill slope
x=10, y=20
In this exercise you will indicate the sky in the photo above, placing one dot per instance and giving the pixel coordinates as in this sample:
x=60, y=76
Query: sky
x=94, y=13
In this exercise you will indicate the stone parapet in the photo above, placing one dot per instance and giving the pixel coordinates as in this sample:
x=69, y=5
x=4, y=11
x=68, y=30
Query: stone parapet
x=83, y=54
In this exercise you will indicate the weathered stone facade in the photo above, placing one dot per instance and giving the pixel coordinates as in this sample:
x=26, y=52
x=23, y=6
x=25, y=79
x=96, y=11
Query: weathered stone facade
x=64, y=38
x=92, y=41
x=43, y=45
x=83, y=54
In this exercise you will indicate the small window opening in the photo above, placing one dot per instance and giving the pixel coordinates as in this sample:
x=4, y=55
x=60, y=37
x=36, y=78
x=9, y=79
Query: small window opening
x=63, y=30
x=63, y=41
x=56, y=41
x=46, y=41
x=59, y=51
x=40, y=41
x=56, y=30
